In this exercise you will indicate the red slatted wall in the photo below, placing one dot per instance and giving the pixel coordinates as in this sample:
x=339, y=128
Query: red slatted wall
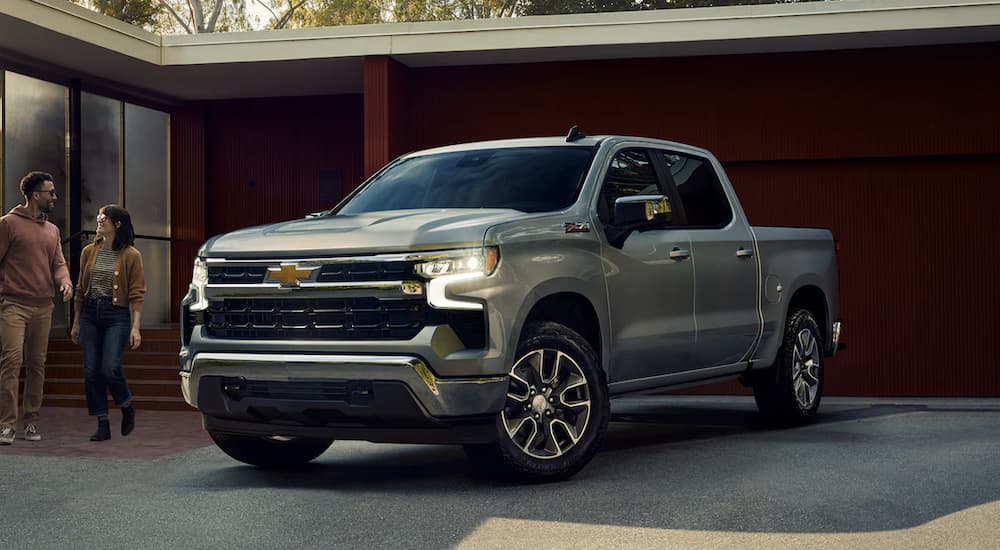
x=263, y=157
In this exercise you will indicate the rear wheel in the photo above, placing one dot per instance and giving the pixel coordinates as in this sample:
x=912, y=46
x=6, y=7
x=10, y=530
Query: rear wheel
x=789, y=392
x=556, y=410
x=270, y=452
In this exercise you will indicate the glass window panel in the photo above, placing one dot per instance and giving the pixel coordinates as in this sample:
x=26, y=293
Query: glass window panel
x=156, y=268
x=35, y=138
x=147, y=192
x=100, y=156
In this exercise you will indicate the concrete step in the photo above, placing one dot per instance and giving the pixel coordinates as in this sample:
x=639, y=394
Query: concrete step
x=140, y=388
x=132, y=372
x=163, y=345
x=130, y=358
x=140, y=402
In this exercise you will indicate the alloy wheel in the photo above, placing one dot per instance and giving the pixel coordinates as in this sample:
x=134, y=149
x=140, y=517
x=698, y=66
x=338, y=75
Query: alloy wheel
x=806, y=365
x=548, y=404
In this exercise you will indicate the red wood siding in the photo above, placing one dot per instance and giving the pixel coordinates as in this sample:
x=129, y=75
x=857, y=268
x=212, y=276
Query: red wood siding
x=187, y=196
x=871, y=103
x=264, y=157
x=386, y=101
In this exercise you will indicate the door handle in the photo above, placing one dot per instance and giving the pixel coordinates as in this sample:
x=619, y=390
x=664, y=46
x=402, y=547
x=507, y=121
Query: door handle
x=679, y=253
x=744, y=253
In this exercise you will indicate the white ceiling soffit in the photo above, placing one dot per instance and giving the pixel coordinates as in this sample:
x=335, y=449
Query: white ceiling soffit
x=330, y=60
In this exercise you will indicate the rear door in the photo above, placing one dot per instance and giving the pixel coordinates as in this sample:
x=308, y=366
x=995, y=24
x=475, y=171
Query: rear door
x=725, y=265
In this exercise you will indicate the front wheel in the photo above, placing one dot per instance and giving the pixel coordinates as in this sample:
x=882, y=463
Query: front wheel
x=789, y=392
x=270, y=452
x=556, y=410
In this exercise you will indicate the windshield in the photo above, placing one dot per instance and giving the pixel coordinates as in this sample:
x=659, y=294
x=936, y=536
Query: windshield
x=530, y=179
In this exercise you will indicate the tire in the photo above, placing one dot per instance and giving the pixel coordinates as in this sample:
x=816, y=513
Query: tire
x=268, y=452
x=556, y=412
x=789, y=392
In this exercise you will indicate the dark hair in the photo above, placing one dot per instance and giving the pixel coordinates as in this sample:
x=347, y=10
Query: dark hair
x=124, y=233
x=31, y=181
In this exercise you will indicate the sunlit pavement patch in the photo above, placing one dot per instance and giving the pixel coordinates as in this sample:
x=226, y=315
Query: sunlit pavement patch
x=976, y=527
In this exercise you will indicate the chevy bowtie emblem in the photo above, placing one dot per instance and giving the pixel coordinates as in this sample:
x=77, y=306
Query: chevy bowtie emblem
x=291, y=274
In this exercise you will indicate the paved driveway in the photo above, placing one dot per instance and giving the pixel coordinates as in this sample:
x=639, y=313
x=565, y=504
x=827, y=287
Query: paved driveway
x=675, y=472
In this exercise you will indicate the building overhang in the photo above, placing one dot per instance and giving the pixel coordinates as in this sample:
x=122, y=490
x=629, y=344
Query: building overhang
x=68, y=41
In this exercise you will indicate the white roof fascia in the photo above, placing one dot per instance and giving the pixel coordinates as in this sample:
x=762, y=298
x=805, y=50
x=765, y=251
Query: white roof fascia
x=86, y=25
x=853, y=18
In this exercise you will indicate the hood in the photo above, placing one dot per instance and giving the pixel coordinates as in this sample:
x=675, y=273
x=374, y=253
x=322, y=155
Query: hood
x=371, y=233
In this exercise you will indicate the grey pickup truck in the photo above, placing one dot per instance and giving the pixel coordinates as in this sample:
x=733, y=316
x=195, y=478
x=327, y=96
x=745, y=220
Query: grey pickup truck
x=497, y=295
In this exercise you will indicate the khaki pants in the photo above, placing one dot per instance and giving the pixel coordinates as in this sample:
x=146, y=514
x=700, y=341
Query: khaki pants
x=24, y=340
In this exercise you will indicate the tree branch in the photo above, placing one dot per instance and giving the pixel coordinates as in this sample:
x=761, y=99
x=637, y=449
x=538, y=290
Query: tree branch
x=176, y=17
x=198, y=14
x=215, y=16
x=268, y=8
x=280, y=24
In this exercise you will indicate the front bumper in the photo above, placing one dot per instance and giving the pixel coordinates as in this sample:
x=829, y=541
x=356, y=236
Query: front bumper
x=377, y=398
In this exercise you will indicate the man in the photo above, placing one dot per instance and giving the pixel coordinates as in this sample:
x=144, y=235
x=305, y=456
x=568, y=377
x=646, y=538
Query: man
x=31, y=265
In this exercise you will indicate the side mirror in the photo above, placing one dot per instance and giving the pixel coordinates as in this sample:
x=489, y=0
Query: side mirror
x=639, y=210
x=636, y=212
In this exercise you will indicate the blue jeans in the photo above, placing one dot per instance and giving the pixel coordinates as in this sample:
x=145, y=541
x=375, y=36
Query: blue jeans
x=104, y=330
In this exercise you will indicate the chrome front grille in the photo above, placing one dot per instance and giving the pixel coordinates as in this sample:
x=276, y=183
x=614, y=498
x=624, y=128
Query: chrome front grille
x=303, y=318
x=345, y=272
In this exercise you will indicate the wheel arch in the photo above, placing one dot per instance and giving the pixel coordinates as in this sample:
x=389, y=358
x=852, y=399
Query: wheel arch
x=572, y=310
x=812, y=298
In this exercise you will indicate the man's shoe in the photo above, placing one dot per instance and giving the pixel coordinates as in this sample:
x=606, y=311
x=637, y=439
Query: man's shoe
x=6, y=436
x=103, y=432
x=31, y=433
x=128, y=419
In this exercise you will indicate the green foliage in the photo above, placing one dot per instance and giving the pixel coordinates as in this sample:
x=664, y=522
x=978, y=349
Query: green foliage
x=327, y=13
x=552, y=7
x=141, y=13
x=198, y=16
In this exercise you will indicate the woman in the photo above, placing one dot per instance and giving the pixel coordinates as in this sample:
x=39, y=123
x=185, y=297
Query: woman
x=111, y=283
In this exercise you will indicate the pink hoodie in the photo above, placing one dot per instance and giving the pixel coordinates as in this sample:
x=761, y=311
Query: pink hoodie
x=32, y=265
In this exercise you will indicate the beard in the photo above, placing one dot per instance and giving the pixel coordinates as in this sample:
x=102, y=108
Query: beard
x=46, y=207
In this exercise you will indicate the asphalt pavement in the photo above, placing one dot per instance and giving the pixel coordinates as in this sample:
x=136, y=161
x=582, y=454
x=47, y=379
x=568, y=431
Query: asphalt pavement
x=674, y=472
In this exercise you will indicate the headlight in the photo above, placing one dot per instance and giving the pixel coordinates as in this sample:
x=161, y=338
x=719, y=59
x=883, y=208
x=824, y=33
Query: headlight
x=482, y=261
x=199, y=278
x=453, y=267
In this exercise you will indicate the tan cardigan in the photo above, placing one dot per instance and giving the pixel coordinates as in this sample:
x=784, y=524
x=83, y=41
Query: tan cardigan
x=128, y=283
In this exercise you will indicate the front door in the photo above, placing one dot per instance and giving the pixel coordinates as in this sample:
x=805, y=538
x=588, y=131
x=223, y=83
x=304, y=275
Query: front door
x=650, y=279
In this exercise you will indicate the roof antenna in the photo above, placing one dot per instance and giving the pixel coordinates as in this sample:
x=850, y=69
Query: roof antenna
x=574, y=134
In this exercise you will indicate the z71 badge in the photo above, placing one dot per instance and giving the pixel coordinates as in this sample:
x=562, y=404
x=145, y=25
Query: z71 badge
x=577, y=227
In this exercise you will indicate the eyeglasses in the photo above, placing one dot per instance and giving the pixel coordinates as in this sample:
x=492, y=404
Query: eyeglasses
x=51, y=192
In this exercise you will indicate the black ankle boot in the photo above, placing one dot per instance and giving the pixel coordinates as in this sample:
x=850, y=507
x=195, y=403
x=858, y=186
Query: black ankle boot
x=128, y=419
x=103, y=432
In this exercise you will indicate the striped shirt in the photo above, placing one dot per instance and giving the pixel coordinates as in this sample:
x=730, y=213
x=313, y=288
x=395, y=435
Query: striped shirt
x=103, y=275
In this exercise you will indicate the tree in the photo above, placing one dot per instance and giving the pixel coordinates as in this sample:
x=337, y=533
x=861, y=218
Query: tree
x=201, y=16
x=141, y=13
x=326, y=13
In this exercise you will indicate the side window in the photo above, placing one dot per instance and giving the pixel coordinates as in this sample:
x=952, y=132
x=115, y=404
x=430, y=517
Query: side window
x=700, y=191
x=630, y=173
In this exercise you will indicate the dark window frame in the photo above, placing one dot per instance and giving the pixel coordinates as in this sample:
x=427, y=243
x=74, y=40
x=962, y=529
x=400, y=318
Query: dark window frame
x=675, y=189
